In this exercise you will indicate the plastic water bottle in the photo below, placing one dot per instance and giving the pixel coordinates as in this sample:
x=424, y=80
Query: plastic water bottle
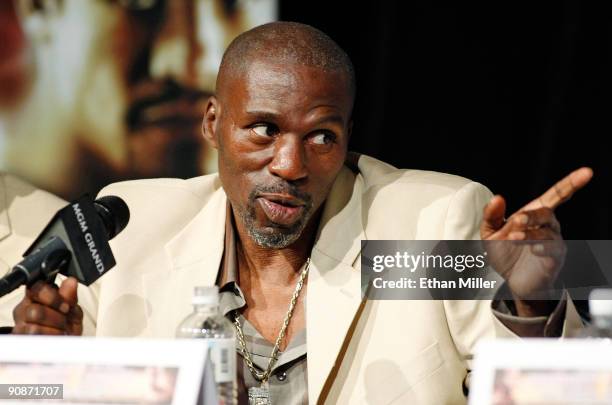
x=205, y=322
x=600, y=307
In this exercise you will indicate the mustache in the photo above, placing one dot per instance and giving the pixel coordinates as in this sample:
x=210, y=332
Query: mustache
x=281, y=188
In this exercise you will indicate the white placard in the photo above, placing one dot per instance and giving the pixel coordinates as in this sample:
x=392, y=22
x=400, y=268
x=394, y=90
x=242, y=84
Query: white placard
x=542, y=371
x=106, y=370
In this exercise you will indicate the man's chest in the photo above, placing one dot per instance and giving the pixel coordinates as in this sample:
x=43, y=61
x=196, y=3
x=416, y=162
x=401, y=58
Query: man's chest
x=270, y=314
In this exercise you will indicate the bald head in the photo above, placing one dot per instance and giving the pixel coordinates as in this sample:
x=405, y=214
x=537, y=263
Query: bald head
x=285, y=43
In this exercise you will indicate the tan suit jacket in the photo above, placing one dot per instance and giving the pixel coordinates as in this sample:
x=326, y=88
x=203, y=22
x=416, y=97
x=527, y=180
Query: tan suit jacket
x=359, y=352
x=24, y=212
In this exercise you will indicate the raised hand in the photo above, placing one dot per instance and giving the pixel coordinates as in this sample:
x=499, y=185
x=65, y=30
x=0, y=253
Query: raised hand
x=530, y=265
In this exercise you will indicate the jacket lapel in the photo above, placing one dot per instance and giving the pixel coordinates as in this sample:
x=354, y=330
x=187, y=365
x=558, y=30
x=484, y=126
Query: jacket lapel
x=334, y=285
x=194, y=256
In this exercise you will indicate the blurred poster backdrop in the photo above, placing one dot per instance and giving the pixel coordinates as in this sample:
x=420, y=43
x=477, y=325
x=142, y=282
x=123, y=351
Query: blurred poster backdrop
x=97, y=91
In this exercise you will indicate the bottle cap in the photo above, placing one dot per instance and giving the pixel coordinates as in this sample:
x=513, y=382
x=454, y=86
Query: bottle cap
x=600, y=302
x=208, y=295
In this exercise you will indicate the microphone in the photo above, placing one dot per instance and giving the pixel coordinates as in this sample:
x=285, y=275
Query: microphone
x=74, y=243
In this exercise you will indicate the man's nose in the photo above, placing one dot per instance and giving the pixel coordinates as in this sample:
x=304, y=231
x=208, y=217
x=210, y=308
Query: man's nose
x=175, y=48
x=289, y=160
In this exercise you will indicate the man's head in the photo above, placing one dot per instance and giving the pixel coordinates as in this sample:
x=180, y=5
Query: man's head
x=281, y=121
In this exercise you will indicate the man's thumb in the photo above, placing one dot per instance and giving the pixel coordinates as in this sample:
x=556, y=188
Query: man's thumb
x=68, y=290
x=493, y=216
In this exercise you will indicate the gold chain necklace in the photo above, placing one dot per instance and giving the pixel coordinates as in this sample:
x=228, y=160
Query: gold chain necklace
x=261, y=395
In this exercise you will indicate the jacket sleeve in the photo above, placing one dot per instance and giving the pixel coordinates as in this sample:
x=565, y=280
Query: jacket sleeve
x=470, y=321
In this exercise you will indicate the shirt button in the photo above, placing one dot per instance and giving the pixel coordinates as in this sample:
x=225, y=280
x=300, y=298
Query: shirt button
x=281, y=376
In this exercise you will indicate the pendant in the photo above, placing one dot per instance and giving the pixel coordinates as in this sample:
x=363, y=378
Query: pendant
x=259, y=395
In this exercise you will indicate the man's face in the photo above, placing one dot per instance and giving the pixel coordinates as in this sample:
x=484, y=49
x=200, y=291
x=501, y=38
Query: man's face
x=282, y=133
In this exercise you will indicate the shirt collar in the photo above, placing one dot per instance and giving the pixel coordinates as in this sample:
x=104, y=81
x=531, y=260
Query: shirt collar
x=231, y=296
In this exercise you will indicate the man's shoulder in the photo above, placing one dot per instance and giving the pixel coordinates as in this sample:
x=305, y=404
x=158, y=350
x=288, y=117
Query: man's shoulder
x=419, y=204
x=198, y=188
x=378, y=175
x=165, y=204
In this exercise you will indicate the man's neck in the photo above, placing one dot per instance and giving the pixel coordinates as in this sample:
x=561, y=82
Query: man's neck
x=268, y=279
x=273, y=267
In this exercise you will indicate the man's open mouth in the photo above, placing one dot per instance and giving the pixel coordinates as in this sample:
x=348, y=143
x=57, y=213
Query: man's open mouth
x=281, y=209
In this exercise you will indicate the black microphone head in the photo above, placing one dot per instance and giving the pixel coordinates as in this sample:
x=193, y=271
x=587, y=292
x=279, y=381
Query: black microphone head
x=114, y=212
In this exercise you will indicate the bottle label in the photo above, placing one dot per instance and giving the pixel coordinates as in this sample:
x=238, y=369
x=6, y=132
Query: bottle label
x=223, y=358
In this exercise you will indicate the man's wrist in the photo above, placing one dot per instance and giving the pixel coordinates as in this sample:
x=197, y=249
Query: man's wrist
x=535, y=308
x=535, y=325
x=546, y=303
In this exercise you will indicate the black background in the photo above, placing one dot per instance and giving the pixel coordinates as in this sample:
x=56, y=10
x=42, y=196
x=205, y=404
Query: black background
x=511, y=94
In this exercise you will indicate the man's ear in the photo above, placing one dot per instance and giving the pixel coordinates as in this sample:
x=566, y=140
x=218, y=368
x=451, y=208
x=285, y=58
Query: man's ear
x=209, y=123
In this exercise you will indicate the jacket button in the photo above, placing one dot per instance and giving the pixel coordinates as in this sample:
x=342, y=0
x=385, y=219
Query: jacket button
x=281, y=376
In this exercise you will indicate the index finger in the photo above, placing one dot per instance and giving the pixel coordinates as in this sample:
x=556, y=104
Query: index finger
x=562, y=190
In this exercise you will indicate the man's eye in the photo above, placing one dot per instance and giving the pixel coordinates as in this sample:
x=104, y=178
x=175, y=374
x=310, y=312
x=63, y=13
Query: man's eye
x=322, y=139
x=265, y=129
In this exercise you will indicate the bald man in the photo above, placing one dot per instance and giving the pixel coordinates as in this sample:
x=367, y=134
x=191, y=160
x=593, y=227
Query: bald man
x=279, y=230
